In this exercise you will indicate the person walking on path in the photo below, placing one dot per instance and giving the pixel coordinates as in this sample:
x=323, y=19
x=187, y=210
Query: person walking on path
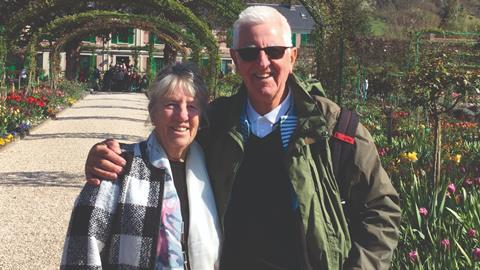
x=270, y=165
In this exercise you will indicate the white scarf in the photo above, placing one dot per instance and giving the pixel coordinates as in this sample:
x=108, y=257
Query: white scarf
x=204, y=231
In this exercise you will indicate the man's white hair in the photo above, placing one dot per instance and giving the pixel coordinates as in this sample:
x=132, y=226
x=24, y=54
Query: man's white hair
x=254, y=15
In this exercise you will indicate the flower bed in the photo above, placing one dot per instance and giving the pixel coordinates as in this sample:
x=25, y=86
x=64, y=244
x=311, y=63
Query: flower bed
x=441, y=221
x=20, y=110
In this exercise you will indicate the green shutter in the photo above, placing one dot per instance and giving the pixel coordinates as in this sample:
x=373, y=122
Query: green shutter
x=294, y=39
x=155, y=39
x=154, y=65
x=305, y=37
x=114, y=39
x=91, y=39
x=131, y=34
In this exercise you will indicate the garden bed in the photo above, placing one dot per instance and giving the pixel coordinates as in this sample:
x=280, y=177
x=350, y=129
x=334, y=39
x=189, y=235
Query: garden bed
x=21, y=110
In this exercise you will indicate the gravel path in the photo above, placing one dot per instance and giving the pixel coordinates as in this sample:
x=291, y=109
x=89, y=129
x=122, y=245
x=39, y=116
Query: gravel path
x=41, y=175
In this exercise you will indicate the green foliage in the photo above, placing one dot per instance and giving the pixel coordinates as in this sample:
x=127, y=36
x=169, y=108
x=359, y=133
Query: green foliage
x=3, y=55
x=378, y=27
x=228, y=85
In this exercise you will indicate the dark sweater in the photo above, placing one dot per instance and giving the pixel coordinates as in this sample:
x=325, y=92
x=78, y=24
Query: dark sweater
x=180, y=182
x=261, y=227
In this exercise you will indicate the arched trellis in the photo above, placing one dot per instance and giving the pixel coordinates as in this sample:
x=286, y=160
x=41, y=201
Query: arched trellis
x=86, y=31
x=157, y=25
x=168, y=8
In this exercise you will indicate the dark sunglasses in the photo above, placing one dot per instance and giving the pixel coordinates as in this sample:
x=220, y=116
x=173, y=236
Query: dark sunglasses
x=251, y=53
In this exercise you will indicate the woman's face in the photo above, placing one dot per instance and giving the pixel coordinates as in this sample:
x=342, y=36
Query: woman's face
x=176, y=118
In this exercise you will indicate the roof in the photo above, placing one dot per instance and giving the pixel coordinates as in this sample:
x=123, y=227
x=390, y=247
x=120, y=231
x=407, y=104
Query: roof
x=297, y=16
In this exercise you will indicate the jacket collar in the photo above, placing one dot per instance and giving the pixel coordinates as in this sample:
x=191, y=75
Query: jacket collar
x=304, y=120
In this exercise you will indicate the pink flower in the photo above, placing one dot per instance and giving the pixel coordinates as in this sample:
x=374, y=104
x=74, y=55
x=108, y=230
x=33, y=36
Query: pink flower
x=476, y=254
x=455, y=94
x=423, y=211
x=477, y=181
x=445, y=243
x=472, y=233
x=451, y=188
x=468, y=182
x=413, y=256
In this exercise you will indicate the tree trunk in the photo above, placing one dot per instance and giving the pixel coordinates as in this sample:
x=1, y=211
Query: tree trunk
x=437, y=156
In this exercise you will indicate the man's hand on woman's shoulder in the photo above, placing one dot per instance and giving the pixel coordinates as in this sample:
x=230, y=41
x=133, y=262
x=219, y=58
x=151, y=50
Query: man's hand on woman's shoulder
x=104, y=162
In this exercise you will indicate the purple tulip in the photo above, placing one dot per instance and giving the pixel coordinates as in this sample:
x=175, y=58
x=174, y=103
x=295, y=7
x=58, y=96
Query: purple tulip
x=445, y=243
x=451, y=188
x=423, y=211
x=472, y=233
x=468, y=182
x=476, y=254
x=413, y=256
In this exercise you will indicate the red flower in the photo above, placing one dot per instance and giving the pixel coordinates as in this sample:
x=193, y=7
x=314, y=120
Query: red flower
x=30, y=100
x=423, y=211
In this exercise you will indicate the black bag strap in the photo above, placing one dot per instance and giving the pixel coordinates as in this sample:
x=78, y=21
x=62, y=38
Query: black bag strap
x=342, y=147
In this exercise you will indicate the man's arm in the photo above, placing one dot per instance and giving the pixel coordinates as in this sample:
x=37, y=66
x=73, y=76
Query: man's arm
x=374, y=209
x=104, y=162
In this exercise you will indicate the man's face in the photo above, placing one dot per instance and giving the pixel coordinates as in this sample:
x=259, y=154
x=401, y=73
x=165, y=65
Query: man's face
x=265, y=78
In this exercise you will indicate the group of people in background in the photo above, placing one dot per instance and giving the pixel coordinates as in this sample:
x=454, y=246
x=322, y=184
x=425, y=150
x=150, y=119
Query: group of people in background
x=118, y=77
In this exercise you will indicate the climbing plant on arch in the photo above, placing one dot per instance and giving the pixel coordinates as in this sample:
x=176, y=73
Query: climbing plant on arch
x=105, y=26
x=43, y=11
x=166, y=30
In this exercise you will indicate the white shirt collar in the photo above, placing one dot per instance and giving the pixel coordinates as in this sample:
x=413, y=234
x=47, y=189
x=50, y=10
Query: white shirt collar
x=262, y=125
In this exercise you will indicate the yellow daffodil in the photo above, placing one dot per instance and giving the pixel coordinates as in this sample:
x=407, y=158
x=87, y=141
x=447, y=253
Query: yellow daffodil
x=2, y=141
x=457, y=158
x=9, y=138
x=71, y=101
x=409, y=156
x=412, y=156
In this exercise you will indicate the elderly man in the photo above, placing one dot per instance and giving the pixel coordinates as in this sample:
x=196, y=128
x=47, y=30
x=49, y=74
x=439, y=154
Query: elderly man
x=270, y=166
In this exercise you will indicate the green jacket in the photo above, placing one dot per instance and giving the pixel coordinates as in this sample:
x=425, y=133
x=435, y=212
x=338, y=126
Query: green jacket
x=364, y=239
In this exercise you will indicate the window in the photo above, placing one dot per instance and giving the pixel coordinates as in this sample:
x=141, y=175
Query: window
x=305, y=39
x=91, y=39
x=123, y=36
x=294, y=39
x=156, y=41
x=226, y=66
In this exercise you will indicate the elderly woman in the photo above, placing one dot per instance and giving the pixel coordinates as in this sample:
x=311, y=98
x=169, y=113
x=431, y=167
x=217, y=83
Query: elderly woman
x=160, y=214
